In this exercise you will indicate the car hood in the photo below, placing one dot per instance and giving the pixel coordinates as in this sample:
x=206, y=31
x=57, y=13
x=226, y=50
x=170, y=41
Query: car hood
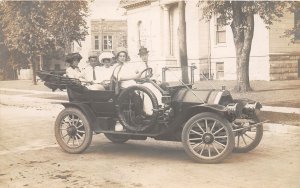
x=222, y=97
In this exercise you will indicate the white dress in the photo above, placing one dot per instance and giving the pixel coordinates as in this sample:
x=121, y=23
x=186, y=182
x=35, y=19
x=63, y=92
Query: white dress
x=74, y=73
x=126, y=75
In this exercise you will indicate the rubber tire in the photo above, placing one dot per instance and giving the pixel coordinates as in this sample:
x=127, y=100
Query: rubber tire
x=153, y=99
x=257, y=139
x=197, y=117
x=89, y=133
x=117, y=138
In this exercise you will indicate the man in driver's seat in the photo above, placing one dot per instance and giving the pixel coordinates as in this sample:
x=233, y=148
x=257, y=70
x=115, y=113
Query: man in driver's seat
x=144, y=55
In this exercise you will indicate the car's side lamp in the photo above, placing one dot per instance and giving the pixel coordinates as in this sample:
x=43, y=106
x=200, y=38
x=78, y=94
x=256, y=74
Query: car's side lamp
x=234, y=109
x=252, y=107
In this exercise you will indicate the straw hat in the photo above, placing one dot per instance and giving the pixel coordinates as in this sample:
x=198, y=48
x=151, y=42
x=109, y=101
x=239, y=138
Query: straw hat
x=119, y=50
x=105, y=55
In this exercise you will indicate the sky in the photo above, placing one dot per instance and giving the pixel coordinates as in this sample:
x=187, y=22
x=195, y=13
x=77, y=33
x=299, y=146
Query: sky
x=107, y=9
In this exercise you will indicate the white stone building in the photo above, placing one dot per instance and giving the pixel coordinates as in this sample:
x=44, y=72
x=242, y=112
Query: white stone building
x=154, y=24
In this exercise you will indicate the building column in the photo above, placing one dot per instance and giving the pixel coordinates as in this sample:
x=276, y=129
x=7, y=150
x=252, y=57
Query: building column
x=166, y=17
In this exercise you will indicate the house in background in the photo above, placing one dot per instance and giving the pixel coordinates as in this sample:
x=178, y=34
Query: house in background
x=108, y=35
x=154, y=24
x=105, y=35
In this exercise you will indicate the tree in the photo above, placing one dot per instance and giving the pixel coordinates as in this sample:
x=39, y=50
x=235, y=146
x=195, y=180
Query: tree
x=24, y=29
x=294, y=33
x=66, y=22
x=240, y=16
x=182, y=42
x=10, y=61
x=40, y=27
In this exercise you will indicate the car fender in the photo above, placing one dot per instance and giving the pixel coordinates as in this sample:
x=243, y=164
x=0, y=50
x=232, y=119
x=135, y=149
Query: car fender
x=85, y=109
x=214, y=108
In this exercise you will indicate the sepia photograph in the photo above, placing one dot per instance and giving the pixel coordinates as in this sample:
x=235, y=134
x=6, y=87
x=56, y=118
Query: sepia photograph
x=149, y=93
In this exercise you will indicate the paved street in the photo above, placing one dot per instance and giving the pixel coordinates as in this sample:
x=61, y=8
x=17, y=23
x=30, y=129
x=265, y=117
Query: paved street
x=30, y=157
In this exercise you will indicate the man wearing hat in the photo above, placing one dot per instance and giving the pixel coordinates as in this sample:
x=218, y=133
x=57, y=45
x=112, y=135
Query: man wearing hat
x=92, y=72
x=144, y=54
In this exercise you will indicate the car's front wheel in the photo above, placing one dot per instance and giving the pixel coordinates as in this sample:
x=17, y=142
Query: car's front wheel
x=73, y=131
x=247, y=137
x=207, y=138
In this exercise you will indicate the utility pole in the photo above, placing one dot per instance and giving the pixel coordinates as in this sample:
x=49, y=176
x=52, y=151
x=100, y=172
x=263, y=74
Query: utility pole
x=182, y=42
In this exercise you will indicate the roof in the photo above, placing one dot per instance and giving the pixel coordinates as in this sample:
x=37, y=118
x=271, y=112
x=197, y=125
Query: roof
x=127, y=4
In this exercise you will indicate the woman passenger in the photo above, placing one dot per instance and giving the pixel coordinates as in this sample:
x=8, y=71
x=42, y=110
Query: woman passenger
x=72, y=70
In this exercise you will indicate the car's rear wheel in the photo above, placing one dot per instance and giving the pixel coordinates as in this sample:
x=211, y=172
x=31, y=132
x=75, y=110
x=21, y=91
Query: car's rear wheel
x=207, y=138
x=117, y=138
x=73, y=131
x=246, y=137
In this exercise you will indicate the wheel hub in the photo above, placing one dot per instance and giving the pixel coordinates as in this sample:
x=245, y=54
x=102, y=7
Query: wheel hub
x=208, y=138
x=72, y=131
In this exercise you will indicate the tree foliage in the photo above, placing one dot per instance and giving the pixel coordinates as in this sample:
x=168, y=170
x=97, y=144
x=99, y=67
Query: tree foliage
x=240, y=16
x=294, y=33
x=269, y=11
x=66, y=23
x=41, y=27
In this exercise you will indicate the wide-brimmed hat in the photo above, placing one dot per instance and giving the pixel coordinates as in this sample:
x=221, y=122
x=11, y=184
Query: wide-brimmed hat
x=143, y=50
x=105, y=55
x=73, y=56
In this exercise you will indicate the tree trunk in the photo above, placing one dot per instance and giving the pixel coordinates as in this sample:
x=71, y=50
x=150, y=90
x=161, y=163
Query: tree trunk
x=242, y=27
x=33, y=67
x=182, y=42
x=41, y=63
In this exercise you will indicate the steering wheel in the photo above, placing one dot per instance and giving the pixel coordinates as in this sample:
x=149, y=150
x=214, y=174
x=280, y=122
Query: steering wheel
x=106, y=82
x=148, y=72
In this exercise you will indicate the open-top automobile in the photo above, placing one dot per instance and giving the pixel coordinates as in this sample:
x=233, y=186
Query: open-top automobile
x=209, y=123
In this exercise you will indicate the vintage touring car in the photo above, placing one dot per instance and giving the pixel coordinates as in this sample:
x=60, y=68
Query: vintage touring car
x=209, y=123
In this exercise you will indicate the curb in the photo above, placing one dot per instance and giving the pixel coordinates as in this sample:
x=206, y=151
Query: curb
x=34, y=91
x=288, y=110
x=39, y=103
x=281, y=128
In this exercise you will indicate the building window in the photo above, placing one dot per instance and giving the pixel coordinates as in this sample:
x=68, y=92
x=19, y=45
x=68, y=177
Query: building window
x=220, y=32
x=123, y=41
x=297, y=24
x=96, y=43
x=219, y=70
x=107, y=42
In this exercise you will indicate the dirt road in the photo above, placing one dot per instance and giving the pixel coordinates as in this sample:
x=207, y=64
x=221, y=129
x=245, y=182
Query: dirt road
x=30, y=157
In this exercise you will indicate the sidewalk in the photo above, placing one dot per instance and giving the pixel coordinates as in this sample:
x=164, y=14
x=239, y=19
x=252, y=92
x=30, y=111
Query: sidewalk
x=57, y=96
x=269, y=93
